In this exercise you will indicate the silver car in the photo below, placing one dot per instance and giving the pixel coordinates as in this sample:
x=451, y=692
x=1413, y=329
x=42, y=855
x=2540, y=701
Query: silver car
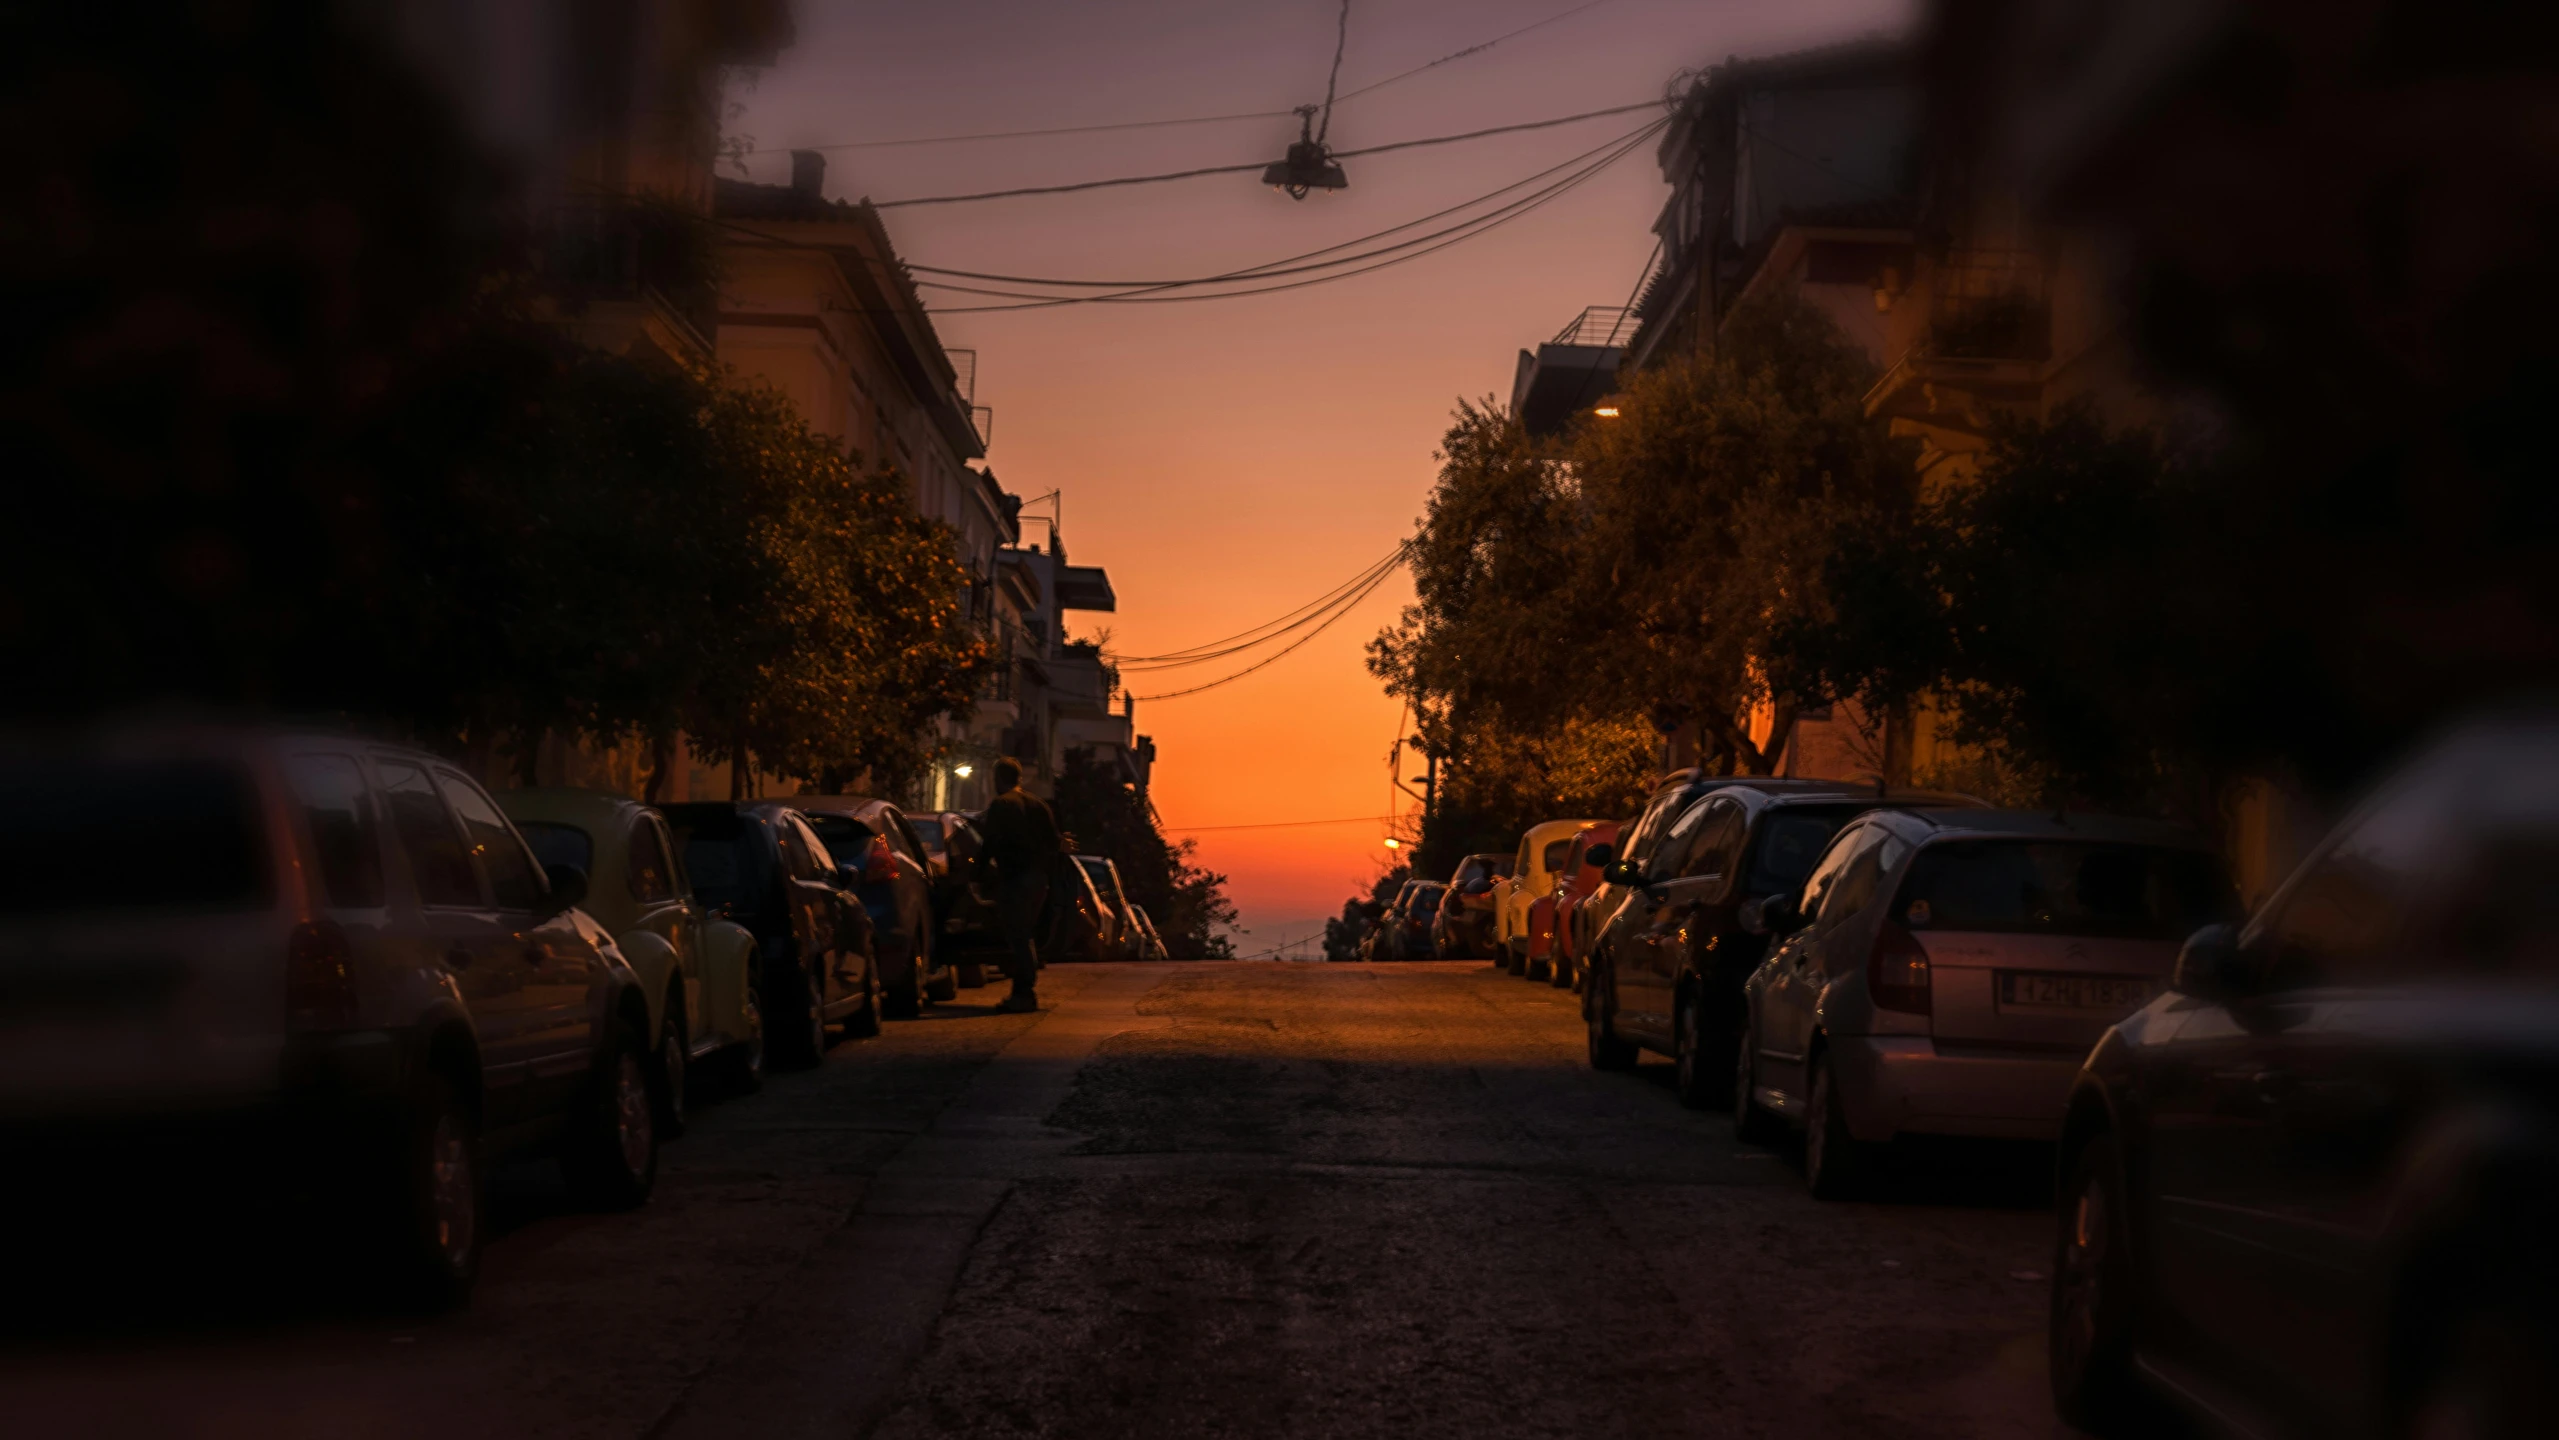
x=1944, y=972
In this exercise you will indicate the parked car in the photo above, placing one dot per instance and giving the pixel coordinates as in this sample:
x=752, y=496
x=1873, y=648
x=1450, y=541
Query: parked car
x=1379, y=942
x=1944, y=972
x=1576, y=880
x=2308, y=1191
x=1531, y=879
x=963, y=900
x=698, y=973
x=1673, y=959
x=353, y=973
x=1634, y=844
x=1122, y=941
x=1077, y=923
x=882, y=859
x=1464, y=930
x=1150, y=942
x=1413, y=932
x=758, y=863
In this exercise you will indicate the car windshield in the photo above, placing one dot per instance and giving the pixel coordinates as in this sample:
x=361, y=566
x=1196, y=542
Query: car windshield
x=2064, y=887
x=848, y=841
x=1790, y=840
x=63, y=822
x=558, y=844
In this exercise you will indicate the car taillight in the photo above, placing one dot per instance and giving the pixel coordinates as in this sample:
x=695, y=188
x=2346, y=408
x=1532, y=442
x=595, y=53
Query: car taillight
x=1897, y=972
x=319, y=978
x=878, y=865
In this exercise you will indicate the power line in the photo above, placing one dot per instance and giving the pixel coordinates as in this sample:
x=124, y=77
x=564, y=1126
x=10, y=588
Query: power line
x=1475, y=49
x=1284, y=652
x=1536, y=203
x=1248, y=639
x=1272, y=266
x=1341, y=42
x=1192, y=174
x=1026, y=134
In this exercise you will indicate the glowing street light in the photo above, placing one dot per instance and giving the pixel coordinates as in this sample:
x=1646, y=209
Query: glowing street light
x=1393, y=844
x=1606, y=412
x=964, y=771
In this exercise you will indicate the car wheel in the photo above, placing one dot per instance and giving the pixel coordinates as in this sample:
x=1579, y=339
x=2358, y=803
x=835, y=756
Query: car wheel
x=1834, y=1161
x=798, y=1023
x=2090, y=1330
x=942, y=991
x=1752, y=1124
x=1700, y=1077
x=864, y=1023
x=1559, y=973
x=745, y=1059
x=970, y=974
x=611, y=1155
x=1607, y=1050
x=436, y=1201
x=674, y=1063
x=1516, y=961
x=902, y=998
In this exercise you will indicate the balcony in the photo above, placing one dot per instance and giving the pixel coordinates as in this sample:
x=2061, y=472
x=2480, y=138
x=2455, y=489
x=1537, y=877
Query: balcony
x=641, y=253
x=1984, y=335
x=1573, y=371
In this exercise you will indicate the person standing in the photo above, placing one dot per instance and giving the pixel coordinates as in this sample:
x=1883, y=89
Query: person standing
x=1022, y=844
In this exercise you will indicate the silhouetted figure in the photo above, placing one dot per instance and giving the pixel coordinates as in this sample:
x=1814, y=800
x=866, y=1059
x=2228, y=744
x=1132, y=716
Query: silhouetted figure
x=1022, y=845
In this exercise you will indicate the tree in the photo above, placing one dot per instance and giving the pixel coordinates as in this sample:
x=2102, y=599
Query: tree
x=1107, y=817
x=1714, y=501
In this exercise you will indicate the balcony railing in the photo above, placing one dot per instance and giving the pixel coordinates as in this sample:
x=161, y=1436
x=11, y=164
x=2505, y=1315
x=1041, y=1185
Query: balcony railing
x=597, y=252
x=1990, y=305
x=1602, y=326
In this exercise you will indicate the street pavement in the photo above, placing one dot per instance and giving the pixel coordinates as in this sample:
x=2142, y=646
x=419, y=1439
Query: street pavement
x=1185, y=1200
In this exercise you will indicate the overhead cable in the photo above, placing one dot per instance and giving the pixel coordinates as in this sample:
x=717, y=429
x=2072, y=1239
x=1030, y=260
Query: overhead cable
x=1191, y=174
x=1269, y=629
x=1536, y=202
x=1475, y=49
x=1272, y=266
x=1283, y=653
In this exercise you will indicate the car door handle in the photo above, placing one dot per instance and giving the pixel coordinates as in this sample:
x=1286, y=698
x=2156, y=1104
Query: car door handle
x=458, y=959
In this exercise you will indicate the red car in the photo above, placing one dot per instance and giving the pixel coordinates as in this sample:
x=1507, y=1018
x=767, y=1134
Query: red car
x=1550, y=920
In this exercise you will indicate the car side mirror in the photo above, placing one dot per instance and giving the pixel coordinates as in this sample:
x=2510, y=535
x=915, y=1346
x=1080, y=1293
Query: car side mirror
x=1599, y=855
x=1767, y=915
x=1622, y=872
x=568, y=886
x=2208, y=965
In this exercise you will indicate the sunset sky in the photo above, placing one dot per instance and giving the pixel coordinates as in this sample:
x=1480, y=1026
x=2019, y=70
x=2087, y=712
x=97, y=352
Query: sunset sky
x=1230, y=460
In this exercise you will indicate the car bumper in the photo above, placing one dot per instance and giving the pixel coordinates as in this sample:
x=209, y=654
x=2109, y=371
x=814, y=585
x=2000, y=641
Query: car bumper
x=1894, y=1085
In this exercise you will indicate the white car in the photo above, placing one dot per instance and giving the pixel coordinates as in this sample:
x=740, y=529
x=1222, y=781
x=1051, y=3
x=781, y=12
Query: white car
x=1945, y=972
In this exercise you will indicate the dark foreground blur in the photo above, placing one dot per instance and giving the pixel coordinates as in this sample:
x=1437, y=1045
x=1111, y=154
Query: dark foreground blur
x=366, y=366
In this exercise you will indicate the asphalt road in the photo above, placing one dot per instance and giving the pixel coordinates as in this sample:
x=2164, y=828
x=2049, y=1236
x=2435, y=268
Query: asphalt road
x=1186, y=1200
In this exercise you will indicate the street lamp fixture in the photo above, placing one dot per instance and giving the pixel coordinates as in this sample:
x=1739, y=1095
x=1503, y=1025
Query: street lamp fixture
x=1606, y=412
x=964, y=771
x=1394, y=844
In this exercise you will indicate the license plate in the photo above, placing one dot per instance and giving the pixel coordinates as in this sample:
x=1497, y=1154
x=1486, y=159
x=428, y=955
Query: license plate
x=2027, y=990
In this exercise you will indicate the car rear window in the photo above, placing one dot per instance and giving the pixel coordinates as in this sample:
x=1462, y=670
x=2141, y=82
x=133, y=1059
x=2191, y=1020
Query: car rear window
x=927, y=829
x=559, y=844
x=1427, y=902
x=63, y=822
x=2064, y=887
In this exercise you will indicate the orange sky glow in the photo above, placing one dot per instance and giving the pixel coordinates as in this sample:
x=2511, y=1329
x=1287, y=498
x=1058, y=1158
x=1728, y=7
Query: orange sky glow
x=1229, y=461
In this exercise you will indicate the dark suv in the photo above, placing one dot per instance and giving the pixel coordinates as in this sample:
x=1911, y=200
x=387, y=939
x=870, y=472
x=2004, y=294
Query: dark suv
x=353, y=979
x=2309, y=1190
x=760, y=865
x=1667, y=970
